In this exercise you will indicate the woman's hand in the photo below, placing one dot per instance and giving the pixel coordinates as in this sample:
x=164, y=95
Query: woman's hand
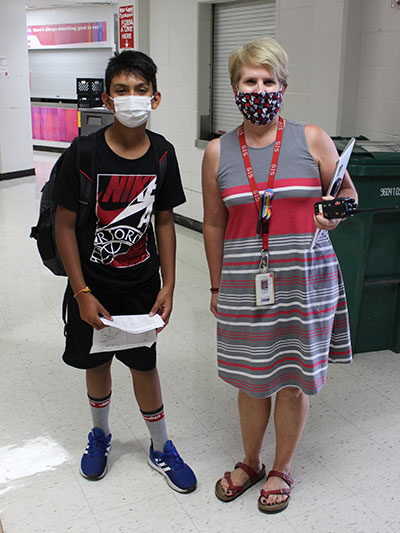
x=90, y=308
x=325, y=223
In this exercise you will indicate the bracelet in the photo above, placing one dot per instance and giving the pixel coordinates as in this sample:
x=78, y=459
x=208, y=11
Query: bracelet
x=214, y=290
x=85, y=289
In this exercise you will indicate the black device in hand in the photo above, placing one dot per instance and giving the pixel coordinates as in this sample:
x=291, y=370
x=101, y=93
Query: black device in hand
x=342, y=207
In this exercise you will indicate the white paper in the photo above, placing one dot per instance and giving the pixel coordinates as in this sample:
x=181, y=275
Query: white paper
x=125, y=332
x=134, y=323
x=113, y=339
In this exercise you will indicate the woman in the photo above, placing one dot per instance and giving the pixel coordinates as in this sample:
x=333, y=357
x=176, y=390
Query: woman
x=281, y=309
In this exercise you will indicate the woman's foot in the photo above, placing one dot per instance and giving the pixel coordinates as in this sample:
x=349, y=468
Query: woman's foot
x=278, y=486
x=238, y=477
x=236, y=482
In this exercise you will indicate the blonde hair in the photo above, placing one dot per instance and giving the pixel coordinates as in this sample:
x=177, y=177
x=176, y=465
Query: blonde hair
x=264, y=51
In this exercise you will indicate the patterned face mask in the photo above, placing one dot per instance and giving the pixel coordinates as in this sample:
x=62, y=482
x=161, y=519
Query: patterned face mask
x=259, y=108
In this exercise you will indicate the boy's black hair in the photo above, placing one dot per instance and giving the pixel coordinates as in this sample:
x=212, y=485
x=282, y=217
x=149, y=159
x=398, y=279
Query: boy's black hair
x=133, y=62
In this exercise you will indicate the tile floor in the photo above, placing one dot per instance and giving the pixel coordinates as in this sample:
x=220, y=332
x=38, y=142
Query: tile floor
x=347, y=468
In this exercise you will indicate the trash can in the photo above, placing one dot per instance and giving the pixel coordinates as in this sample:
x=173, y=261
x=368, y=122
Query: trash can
x=368, y=247
x=93, y=119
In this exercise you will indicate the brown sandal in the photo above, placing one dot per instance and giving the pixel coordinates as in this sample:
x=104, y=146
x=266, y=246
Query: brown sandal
x=276, y=507
x=236, y=490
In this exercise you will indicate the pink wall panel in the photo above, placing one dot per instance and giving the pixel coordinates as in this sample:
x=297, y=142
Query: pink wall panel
x=54, y=124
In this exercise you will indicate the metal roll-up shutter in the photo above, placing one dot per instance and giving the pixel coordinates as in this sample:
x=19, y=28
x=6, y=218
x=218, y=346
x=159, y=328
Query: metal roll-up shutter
x=54, y=71
x=234, y=24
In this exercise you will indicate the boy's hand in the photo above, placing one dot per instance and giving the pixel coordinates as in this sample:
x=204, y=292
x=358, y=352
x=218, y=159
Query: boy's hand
x=213, y=304
x=90, y=308
x=163, y=306
x=325, y=223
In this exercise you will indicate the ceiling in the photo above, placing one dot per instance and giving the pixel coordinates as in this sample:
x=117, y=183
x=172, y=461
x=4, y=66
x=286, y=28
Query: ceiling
x=46, y=4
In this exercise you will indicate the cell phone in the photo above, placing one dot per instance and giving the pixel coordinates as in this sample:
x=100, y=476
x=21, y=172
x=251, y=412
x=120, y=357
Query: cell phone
x=341, y=207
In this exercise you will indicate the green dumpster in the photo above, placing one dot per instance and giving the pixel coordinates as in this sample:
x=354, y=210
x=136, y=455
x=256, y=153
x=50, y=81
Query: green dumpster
x=368, y=247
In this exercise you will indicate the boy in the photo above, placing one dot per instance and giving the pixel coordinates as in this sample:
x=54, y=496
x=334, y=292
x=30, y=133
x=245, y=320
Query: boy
x=113, y=265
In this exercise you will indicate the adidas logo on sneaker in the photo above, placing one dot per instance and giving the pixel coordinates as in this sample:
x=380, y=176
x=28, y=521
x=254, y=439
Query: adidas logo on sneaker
x=177, y=473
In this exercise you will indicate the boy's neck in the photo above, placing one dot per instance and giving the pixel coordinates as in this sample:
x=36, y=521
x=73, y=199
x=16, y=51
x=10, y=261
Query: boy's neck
x=130, y=143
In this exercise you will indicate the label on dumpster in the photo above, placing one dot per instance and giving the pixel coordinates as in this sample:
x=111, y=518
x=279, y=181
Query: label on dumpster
x=389, y=191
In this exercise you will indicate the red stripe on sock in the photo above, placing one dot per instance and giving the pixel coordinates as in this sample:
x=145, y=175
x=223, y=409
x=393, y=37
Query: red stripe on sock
x=99, y=405
x=154, y=418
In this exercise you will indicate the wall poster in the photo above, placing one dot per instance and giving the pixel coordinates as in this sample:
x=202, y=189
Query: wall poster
x=126, y=27
x=72, y=35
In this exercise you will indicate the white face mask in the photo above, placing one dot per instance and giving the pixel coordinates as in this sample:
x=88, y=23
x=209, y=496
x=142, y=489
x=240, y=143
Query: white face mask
x=132, y=111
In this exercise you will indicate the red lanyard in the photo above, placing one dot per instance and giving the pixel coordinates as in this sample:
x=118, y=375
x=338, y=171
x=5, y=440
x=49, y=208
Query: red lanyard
x=272, y=171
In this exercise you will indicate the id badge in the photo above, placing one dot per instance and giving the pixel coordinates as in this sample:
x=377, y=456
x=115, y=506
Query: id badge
x=265, y=288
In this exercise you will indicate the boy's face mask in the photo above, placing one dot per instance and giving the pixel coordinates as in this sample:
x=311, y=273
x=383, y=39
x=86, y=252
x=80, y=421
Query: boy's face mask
x=132, y=111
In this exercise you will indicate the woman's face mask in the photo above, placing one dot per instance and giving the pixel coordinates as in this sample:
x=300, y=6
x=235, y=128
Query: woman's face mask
x=260, y=108
x=132, y=111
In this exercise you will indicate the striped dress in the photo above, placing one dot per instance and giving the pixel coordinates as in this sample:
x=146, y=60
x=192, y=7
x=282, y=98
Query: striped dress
x=264, y=349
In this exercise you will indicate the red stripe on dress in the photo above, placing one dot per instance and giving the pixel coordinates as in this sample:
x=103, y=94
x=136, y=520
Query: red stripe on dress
x=276, y=382
x=271, y=315
x=333, y=352
x=238, y=263
x=311, y=279
x=261, y=337
x=281, y=281
x=302, y=259
x=288, y=260
x=273, y=365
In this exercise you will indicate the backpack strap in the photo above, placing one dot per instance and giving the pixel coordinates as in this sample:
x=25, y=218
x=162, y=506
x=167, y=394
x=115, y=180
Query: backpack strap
x=85, y=163
x=160, y=149
x=66, y=300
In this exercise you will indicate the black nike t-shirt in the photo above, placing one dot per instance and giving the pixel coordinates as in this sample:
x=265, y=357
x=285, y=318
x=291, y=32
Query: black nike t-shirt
x=117, y=245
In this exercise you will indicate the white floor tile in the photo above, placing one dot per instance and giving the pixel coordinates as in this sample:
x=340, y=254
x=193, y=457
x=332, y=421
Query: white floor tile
x=349, y=515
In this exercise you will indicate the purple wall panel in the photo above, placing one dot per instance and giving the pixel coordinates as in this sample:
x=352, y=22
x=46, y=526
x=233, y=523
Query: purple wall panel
x=54, y=124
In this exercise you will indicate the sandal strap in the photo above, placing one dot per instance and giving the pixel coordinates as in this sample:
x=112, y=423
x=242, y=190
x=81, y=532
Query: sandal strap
x=286, y=477
x=267, y=493
x=253, y=475
x=233, y=488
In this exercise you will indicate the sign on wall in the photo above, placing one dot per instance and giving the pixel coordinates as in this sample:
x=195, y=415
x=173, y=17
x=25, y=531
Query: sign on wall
x=126, y=27
x=72, y=35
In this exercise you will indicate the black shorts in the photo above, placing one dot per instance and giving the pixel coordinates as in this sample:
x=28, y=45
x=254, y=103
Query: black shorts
x=79, y=334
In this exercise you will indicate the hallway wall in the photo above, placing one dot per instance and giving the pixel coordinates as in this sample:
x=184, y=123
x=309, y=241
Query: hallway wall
x=344, y=72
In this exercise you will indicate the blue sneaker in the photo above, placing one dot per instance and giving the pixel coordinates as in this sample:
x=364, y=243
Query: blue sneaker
x=94, y=458
x=178, y=474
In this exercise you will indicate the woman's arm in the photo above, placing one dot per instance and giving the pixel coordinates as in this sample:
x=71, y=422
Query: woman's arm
x=89, y=306
x=215, y=217
x=323, y=150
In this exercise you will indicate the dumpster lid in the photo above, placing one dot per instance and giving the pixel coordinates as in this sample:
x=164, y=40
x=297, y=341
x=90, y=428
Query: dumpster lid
x=372, y=152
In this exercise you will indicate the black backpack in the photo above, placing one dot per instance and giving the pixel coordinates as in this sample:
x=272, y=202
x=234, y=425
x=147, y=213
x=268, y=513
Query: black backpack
x=43, y=232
